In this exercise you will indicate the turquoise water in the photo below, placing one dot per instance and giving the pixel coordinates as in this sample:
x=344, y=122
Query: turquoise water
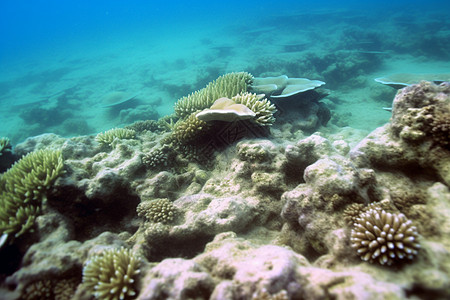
x=60, y=60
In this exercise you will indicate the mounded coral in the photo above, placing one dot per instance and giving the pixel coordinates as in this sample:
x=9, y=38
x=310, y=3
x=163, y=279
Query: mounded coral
x=228, y=85
x=107, y=137
x=158, y=210
x=112, y=274
x=384, y=237
x=23, y=188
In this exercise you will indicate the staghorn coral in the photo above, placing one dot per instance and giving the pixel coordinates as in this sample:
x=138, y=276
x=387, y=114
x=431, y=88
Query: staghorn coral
x=112, y=274
x=4, y=145
x=23, y=187
x=262, y=107
x=159, y=210
x=107, y=137
x=384, y=237
x=228, y=85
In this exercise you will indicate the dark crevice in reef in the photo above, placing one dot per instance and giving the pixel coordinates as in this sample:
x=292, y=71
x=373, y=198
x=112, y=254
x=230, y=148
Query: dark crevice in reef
x=10, y=258
x=90, y=217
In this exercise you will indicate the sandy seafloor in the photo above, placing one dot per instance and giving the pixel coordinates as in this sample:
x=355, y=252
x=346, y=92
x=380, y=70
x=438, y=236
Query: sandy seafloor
x=61, y=87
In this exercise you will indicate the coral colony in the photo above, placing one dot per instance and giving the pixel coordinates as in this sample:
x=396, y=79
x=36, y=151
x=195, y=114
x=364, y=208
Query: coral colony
x=234, y=196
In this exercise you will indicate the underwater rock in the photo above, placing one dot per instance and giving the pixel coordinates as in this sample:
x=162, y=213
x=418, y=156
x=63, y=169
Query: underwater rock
x=43, y=141
x=176, y=278
x=411, y=143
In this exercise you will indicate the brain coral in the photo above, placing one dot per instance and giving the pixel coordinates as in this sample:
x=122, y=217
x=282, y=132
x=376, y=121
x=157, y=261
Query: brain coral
x=384, y=237
x=228, y=85
x=112, y=274
x=23, y=187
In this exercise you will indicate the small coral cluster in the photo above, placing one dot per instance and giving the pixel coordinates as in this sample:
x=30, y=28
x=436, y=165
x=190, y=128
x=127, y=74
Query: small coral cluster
x=111, y=275
x=159, y=210
x=384, y=237
x=107, y=137
x=24, y=187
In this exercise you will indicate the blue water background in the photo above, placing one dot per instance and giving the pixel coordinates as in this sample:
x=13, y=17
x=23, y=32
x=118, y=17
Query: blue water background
x=30, y=27
x=34, y=32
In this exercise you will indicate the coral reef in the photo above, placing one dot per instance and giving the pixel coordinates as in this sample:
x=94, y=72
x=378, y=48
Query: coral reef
x=262, y=218
x=384, y=237
x=107, y=137
x=112, y=274
x=228, y=85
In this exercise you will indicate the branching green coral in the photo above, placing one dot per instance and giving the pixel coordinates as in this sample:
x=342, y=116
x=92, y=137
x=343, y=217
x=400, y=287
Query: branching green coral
x=23, y=187
x=189, y=129
x=159, y=210
x=112, y=274
x=109, y=136
x=4, y=145
x=263, y=108
x=384, y=237
x=228, y=85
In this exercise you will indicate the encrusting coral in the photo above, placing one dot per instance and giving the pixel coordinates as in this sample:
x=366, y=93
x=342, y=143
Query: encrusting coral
x=112, y=274
x=158, y=210
x=23, y=188
x=107, y=137
x=228, y=85
x=384, y=237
